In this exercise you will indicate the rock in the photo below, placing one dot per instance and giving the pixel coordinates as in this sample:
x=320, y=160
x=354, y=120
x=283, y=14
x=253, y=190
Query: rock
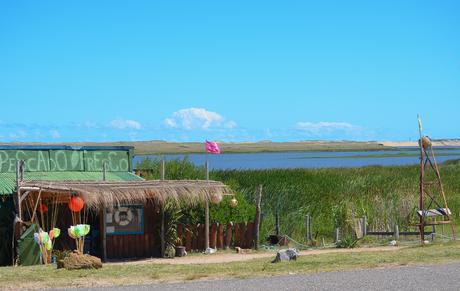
x=242, y=251
x=210, y=251
x=394, y=243
x=76, y=260
x=286, y=255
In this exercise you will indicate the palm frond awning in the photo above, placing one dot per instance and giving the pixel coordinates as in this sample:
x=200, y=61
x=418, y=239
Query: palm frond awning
x=97, y=194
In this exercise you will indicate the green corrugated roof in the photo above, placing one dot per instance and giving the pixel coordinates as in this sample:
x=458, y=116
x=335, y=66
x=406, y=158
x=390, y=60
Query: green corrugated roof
x=8, y=180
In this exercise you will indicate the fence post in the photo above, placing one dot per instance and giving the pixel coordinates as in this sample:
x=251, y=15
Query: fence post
x=433, y=233
x=162, y=172
x=364, y=225
x=307, y=227
x=337, y=234
x=257, y=220
x=310, y=224
x=277, y=222
x=396, y=233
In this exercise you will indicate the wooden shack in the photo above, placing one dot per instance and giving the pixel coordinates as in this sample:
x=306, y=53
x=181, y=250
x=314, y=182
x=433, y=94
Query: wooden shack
x=122, y=208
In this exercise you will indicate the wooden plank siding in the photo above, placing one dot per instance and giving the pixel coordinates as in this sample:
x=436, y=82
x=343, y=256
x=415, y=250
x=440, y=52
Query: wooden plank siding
x=137, y=245
x=192, y=236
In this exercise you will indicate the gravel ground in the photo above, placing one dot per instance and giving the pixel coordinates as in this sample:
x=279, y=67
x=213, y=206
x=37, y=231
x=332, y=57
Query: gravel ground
x=435, y=277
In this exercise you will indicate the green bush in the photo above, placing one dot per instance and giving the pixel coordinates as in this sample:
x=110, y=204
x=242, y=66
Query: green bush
x=348, y=242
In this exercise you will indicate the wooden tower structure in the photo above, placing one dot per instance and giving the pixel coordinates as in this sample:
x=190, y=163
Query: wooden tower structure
x=432, y=201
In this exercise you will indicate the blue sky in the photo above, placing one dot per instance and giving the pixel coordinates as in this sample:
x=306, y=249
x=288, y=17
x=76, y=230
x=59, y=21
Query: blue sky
x=233, y=70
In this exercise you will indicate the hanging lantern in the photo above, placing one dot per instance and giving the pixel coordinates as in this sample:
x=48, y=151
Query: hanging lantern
x=76, y=204
x=216, y=198
x=42, y=208
x=233, y=202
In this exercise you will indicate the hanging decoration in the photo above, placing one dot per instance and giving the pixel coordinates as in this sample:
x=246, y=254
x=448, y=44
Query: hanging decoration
x=233, y=202
x=216, y=198
x=76, y=204
x=43, y=208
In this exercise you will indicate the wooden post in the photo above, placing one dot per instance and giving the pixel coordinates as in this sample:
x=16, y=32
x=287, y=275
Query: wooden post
x=206, y=225
x=162, y=172
x=422, y=186
x=104, y=171
x=103, y=219
x=257, y=219
x=307, y=227
x=277, y=222
x=206, y=213
x=337, y=234
x=364, y=225
x=19, y=179
x=162, y=231
x=396, y=233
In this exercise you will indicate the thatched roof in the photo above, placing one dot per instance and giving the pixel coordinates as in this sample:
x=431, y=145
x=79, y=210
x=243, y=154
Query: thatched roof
x=97, y=194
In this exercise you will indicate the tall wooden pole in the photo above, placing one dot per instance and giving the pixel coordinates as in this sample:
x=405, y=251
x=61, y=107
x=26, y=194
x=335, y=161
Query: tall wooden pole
x=104, y=171
x=19, y=178
x=162, y=231
x=103, y=219
x=257, y=219
x=162, y=173
x=206, y=212
x=422, y=186
x=277, y=221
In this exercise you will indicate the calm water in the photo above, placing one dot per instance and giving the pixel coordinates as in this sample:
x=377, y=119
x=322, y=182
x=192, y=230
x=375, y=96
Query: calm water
x=284, y=160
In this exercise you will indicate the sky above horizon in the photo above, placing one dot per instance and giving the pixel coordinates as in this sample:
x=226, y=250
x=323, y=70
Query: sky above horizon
x=230, y=71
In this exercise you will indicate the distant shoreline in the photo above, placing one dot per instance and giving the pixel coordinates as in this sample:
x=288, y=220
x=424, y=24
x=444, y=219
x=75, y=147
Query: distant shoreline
x=163, y=147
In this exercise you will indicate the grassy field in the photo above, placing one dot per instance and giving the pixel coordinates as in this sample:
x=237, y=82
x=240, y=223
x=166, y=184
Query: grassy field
x=38, y=277
x=163, y=147
x=385, y=195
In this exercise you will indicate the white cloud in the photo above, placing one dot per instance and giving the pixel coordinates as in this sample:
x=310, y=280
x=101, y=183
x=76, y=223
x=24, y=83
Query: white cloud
x=326, y=127
x=125, y=124
x=54, y=133
x=17, y=135
x=197, y=118
x=230, y=124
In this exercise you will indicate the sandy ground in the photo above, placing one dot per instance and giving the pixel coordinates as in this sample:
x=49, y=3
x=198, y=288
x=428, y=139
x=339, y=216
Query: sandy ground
x=225, y=257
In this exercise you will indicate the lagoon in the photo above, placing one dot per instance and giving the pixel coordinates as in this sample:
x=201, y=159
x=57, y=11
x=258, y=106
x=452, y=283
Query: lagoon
x=289, y=160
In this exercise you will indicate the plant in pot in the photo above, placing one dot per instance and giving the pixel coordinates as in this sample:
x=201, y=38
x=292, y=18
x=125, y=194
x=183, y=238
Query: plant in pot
x=180, y=249
x=60, y=256
x=172, y=215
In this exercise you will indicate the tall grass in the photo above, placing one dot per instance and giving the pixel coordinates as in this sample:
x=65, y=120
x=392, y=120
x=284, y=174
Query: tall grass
x=385, y=195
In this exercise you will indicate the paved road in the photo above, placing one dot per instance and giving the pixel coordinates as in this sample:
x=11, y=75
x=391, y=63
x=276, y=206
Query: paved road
x=438, y=277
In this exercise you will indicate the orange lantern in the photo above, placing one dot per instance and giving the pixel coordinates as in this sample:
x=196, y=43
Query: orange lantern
x=76, y=204
x=42, y=208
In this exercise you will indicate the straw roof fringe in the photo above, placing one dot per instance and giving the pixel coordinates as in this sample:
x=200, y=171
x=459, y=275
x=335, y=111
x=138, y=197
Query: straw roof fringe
x=97, y=194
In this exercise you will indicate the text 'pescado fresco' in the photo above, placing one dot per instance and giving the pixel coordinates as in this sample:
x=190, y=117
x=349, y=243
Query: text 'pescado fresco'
x=65, y=160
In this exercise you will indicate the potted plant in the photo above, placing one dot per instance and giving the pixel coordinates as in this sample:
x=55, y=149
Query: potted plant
x=180, y=249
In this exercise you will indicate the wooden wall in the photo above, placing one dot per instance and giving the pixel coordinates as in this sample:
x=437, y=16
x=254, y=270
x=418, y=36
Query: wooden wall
x=148, y=244
x=137, y=245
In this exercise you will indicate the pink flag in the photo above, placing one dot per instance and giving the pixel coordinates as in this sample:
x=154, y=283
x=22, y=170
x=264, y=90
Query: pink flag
x=212, y=147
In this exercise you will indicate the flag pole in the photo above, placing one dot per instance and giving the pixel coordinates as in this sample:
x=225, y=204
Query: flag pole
x=206, y=209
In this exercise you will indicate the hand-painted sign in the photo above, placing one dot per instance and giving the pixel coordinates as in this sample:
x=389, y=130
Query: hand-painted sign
x=65, y=160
